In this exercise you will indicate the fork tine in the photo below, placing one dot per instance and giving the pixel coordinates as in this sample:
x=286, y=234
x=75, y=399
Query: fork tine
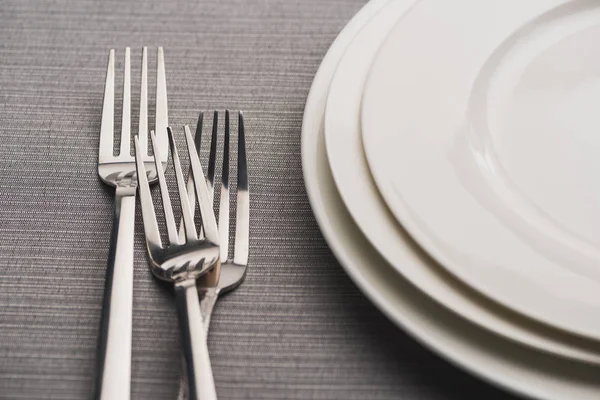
x=209, y=223
x=242, y=227
x=188, y=219
x=224, y=202
x=162, y=115
x=126, y=117
x=164, y=192
x=191, y=192
x=198, y=137
x=212, y=158
x=108, y=112
x=148, y=215
x=143, y=125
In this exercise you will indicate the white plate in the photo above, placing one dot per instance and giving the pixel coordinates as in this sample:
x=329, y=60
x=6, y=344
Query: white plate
x=514, y=367
x=358, y=191
x=483, y=137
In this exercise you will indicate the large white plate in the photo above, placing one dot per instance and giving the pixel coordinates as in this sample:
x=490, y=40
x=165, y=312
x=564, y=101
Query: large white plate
x=502, y=362
x=483, y=138
x=358, y=191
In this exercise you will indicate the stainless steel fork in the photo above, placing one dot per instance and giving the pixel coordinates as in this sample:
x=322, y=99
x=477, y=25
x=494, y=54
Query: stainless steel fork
x=181, y=262
x=230, y=273
x=114, y=346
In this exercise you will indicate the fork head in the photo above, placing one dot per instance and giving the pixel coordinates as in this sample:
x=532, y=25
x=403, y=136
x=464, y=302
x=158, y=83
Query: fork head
x=231, y=272
x=192, y=255
x=120, y=170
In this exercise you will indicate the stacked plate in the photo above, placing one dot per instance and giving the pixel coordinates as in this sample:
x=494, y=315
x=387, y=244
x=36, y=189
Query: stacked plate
x=451, y=156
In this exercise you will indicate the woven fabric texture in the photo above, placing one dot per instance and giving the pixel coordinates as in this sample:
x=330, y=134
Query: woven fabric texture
x=297, y=328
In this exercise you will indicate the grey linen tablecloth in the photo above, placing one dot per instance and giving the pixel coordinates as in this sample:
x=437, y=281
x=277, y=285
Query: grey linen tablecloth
x=298, y=328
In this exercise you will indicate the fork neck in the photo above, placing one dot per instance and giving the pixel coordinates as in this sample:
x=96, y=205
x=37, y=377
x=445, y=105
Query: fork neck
x=126, y=188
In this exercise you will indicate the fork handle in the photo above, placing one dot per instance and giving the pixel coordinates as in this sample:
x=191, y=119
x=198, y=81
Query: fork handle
x=114, y=344
x=193, y=340
x=208, y=298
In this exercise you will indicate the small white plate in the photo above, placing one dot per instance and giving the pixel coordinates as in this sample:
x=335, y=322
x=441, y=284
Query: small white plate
x=357, y=189
x=483, y=137
x=514, y=367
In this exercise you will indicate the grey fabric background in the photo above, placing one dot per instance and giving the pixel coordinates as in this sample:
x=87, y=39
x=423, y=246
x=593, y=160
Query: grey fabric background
x=298, y=328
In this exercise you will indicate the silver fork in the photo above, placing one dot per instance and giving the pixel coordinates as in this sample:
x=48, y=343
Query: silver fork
x=230, y=273
x=181, y=262
x=114, y=346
